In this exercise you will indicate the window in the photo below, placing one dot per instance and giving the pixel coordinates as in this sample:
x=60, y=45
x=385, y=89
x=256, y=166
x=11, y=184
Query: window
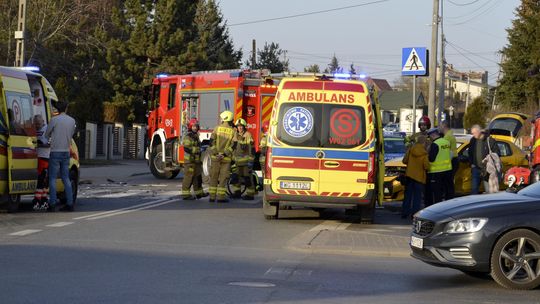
x=20, y=114
x=172, y=95
x=504, y=149
x=321, y=125
x=154, y=96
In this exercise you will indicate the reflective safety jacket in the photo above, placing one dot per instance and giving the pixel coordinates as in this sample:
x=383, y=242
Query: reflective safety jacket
x=443, y=160
x=221, y=142
x=192, y=148
x=244, y=146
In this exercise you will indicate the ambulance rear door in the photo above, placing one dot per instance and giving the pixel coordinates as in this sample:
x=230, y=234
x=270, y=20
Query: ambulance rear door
x=22, y=140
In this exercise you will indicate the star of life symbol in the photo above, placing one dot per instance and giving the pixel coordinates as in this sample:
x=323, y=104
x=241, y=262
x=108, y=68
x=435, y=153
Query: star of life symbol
x=298, y=122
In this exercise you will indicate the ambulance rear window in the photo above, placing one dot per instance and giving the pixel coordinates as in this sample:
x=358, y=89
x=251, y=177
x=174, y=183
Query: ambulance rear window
x=321, y=125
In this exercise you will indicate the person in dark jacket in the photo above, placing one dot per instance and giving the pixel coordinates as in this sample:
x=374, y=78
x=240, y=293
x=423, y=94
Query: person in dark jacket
x=478, y=150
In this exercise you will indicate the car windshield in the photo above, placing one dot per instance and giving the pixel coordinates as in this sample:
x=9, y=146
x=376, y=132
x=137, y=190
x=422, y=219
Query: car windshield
x=532, y=190
x=394, y=145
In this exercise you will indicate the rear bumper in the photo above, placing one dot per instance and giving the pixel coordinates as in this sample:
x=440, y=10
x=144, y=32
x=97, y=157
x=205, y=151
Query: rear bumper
x=316, y=201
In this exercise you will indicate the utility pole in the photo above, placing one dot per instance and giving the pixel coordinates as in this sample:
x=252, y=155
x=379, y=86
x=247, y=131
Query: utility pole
x=433, y=61
x=468, y=91
x=20, y=33
x=442, y=68
x=254, y=54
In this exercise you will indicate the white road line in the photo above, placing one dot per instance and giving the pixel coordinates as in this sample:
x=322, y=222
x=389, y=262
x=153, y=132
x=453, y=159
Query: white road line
x=130, y=210
x=401, y=227
x=121, y=209
x=25, y=232
x=60, y=224
x=331, y=225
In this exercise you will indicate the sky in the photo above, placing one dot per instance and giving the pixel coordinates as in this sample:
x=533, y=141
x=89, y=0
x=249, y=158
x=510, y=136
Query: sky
x=372, y=36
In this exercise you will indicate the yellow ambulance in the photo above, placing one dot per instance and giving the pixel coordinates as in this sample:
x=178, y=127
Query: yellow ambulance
x=325, y=147
x=23, y=94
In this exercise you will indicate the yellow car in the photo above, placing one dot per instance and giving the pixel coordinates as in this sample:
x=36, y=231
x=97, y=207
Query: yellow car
x=504, y=128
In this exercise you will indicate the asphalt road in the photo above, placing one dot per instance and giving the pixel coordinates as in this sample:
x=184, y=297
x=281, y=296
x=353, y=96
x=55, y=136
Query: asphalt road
x=134, y=242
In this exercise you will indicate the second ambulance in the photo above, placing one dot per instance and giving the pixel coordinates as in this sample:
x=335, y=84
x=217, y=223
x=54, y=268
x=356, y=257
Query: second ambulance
x=325, y=147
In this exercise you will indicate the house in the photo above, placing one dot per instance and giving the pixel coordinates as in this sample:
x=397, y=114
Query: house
x=392, y=101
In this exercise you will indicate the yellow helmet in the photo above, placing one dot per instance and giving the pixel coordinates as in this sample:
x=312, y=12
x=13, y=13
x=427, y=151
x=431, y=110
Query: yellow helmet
x=226, y=116
x=241, y=121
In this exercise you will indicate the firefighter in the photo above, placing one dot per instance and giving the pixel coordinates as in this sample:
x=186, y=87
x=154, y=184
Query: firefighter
x=221, y=150
x=243, y=158
x=263, y=143
x=424, y=124
x=192, y=162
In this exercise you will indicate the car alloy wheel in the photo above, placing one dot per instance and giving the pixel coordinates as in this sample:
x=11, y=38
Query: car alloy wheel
x=515, y=260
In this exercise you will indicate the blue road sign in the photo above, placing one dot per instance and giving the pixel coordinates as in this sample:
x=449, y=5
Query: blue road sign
x=414, y=61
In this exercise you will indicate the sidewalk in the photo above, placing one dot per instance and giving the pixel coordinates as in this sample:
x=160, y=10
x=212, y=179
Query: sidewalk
x=117, y=171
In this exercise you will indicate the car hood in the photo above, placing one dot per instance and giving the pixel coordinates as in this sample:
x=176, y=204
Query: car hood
x=394, y=161
x=392, y=156
x=482, y=205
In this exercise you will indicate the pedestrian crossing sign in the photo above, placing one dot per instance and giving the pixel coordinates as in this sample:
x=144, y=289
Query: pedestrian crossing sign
x=413, y=61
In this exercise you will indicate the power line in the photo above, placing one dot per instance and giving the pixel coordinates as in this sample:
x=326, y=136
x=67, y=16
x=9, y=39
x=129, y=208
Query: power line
x=463, y=4
x=489, y=9
x=308, y=14
x=466, y=57
x=471, y=53
x=471, y=12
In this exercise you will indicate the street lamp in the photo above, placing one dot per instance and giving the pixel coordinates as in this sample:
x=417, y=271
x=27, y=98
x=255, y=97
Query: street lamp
x=20, y=33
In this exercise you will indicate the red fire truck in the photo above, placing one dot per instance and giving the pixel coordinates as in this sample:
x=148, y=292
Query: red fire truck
x=175, y=99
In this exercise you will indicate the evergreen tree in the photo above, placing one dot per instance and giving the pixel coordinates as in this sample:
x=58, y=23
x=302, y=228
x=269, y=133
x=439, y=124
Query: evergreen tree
x=520, y=84
x=476, y=113
x=270, y=58
x=151, y=37
x=333, y=66
x=314, y=68
x=213, y=38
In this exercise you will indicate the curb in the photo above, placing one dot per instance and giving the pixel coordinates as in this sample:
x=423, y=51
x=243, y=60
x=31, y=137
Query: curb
x=306, y=242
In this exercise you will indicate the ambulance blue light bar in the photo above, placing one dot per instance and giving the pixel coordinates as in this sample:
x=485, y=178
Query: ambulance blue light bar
x=30, y=68
x=342, y=75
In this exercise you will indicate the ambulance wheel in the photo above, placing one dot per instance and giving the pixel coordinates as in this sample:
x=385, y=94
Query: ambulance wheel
x=13, y=202
x=157, y=166
x=206, y=162
x=270, y=210
x=367, y=214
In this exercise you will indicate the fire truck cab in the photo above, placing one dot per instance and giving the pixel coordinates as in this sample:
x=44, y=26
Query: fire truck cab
x=175, y=99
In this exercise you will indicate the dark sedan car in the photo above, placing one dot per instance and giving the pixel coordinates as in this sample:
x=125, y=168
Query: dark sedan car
x=497, y=234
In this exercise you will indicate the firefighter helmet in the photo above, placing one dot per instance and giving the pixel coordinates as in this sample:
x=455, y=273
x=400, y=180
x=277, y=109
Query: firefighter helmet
x=193, y=122
x=226, y=116
x=424, y=120
x=241, y=121
x=265, y=127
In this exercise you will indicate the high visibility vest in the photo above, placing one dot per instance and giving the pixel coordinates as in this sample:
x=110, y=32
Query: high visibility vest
x=442, y=162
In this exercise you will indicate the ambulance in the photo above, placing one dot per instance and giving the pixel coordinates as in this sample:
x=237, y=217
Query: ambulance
x=325, y=147
x=25, y=93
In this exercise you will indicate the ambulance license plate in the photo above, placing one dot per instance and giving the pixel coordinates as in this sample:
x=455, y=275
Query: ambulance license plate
x=417, y=242
x=295, y=185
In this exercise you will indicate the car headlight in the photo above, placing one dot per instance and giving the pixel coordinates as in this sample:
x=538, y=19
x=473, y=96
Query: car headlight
x=465, y=225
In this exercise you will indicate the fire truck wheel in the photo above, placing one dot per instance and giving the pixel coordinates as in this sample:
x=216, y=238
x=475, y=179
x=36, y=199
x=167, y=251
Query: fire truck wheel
x=206, y=162
x=157, y=166
x=13, y=202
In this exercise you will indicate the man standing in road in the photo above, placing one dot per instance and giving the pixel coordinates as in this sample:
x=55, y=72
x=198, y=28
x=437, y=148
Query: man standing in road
x=243, y=157
x=221, y=150
x=424, y=124
x=444, y=128
x=192, y=162
x=440, y=168
x=478, y=150
x=59, y=132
